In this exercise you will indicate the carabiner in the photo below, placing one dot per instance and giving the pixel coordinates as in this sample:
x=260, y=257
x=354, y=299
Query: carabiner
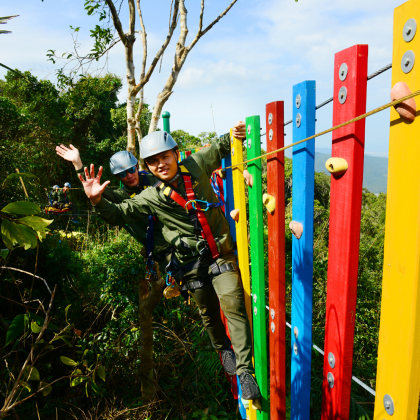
x=193, y=204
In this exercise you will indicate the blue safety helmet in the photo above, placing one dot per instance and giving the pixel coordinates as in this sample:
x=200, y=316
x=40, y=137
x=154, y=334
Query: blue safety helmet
x=121, y=161
x=67, y=184
x=55, y=187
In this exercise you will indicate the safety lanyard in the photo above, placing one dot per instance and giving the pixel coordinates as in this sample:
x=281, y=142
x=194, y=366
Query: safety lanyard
x=193, y=210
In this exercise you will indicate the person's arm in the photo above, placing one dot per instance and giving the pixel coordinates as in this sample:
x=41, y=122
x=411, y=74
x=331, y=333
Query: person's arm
x=129, y=211
x=210, y=158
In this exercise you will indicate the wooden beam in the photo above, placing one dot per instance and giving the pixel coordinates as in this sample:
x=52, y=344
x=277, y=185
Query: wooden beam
x=276, y=261
x=399, y=336
x=350, y=84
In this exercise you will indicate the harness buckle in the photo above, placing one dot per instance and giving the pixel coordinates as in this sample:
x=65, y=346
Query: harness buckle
x=202, y=247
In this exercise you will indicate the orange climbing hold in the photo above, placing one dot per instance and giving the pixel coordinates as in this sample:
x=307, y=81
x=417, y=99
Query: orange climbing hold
x=408, y=108
x=296, y=229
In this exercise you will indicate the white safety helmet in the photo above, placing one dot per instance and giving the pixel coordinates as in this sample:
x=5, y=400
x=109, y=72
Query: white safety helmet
x=156, y=142
x=67, y=184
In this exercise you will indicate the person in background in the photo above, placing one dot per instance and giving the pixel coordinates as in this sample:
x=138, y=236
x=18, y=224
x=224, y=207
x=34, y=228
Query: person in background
x=53, y=196
x=64, y=200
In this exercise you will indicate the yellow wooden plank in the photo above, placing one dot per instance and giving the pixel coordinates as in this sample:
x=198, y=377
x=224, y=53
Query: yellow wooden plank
x=242, y=230
x=398, y=374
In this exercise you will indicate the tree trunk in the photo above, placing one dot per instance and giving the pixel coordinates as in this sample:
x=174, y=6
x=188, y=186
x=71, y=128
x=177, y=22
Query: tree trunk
x=131, y=95
x=150, y=295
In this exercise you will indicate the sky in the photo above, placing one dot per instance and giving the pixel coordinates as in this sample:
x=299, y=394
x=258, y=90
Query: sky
x=251, y=57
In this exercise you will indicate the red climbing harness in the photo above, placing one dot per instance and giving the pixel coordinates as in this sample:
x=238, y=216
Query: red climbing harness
x=193, y=209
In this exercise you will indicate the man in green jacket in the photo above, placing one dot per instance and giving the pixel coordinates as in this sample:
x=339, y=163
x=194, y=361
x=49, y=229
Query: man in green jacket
x=124, y=166
x=203, y=260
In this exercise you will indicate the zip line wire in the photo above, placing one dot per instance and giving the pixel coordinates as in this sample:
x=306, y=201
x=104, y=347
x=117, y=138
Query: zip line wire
x=360, y=117
x=371, y=76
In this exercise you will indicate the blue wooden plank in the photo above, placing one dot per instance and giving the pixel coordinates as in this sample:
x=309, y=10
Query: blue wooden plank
x=228, y=194
x=302, y=249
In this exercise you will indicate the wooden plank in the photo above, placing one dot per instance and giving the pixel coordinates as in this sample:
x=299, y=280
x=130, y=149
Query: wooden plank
x=302, y=249
x=228, y=195
x=345, y=212
x=399, y=336
x=256, y=230
x=242, y=230
x=276, y=261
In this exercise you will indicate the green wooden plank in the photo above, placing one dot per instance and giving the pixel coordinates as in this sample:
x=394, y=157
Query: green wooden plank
x=253, y=147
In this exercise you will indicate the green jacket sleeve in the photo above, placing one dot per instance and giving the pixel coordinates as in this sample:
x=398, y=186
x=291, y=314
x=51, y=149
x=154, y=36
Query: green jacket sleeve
x=129, y=211
x=115, y=196
x=210, y=158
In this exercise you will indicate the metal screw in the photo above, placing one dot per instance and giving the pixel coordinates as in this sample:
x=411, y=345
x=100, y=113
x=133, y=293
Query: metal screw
x=330, y=379
x=270, y=118
x=255, y=311
x=389, y=404
x=295, y=348
x=408, y=30
x=331, y=360
x=298, y=100
x=249, y=129
x=271, y=134
x=233, y=151
x=298, y=120
x=249, y=143
x=296, y=332
x=273, y=327
x=272, y=313
x=407, y=62
x=255, y=298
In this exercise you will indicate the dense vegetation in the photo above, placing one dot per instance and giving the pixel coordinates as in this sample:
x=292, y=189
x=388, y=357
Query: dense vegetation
x=92, y=341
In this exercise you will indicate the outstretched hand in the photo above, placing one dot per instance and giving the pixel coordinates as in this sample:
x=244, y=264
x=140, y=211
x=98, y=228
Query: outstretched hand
x=239, y=130
x=71, y=154
x=92, y=185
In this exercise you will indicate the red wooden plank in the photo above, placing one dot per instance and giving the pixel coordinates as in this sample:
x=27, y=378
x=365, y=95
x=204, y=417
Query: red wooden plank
x=276, y=261
x=345, y=212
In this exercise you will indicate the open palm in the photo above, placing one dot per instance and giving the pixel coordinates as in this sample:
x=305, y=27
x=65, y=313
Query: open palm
x=92, y=185
x=71, y=154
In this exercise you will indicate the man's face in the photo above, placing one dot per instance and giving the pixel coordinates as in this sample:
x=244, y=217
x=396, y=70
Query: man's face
x=65, y=189
x=163, y=165
x=130, y=180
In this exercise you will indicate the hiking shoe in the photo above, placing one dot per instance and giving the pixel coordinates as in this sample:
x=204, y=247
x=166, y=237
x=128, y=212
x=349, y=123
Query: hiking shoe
x=229, y=361
x=249, y=386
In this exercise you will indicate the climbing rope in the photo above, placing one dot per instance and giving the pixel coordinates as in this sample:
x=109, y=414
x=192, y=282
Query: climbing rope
x=360, y=117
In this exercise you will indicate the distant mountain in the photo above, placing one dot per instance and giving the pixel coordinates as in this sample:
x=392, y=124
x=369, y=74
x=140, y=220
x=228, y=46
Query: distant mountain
x=375, y=169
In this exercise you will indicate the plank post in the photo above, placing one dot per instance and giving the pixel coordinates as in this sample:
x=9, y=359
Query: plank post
x=276, y=261
x=241, y=230
x=350, y=84
x=398, y=374
x=256, y=231
x=228, y=194
x=302, y=249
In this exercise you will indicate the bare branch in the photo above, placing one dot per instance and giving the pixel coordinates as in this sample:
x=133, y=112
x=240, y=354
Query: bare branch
x=161, y=51
x=116, y=20
x=211, y=25
x=132, y=17
x=21, y=271
x=200, y=27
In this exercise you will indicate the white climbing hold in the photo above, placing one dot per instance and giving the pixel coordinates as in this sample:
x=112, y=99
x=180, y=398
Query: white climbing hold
x=296, y=228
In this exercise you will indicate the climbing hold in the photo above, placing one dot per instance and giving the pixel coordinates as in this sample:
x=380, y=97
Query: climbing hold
x=269, y=202
x=296, y=229
x=221, y=173
x=408, y=108
x=245, y=403
x=248, y=178
x=234, y=214
x=336, y=165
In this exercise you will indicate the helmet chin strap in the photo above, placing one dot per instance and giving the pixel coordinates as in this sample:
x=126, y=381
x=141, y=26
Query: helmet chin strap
x=174, y=178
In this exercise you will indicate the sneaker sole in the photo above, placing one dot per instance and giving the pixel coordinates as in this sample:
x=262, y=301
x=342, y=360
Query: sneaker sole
x=256, y=404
